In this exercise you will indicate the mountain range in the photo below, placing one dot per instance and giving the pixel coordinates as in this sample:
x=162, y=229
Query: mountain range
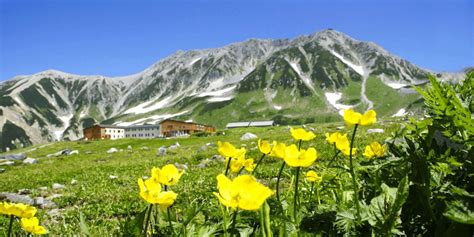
x=292, y=81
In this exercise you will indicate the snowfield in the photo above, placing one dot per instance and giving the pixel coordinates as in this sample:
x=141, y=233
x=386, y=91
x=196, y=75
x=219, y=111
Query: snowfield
x=396, y=85
x=149, y=106
x=357, y=68
x=400, y=113
x=333, y=98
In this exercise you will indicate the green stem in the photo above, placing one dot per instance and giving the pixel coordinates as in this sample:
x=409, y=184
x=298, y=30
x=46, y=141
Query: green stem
x=258, y=162
x=228, y=166
x=240, y=171
x=311, y=192
x=336, y=152
x=147, y=220
x=169, y=220
x=278, y=180
x=234, y=219
x=224, y=220
x=317, y=196
x=10, y=226
x=295, y=204
x=156, y=218
x=354, y=182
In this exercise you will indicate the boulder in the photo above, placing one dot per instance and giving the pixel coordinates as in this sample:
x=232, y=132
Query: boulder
x=211, y=144
x=144, y=148
x=54, y=213
x=57, y=186
x=129, y=147
x=175, y=146
x=30, y=161
x=161, y=151
x=375, y=130
x=75, y=152
x=24, y=191
x=7, y=163
x=56, y=195
x=113, y=177
x=88, y=152
x=17, y=198
x=202, y=148
x=248, y=136
x=181, y=166
x=60, y=153
x=73, y=181
x=20, y=156
x=43, y=188
x=112, y=150
x=2, y=170
x=44, y=203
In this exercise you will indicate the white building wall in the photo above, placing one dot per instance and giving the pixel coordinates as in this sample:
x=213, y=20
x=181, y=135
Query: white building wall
x=115, y=133
x=143, y=132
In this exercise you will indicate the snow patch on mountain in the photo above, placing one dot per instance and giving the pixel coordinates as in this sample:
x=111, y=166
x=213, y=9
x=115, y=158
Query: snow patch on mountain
x=400, y=113
x=357, y=68
x=306, y=79
x=396, y=85
x=194, y=61
x=149, y=106
x=66, y=121
x=332, y=98
x=219, y=99
x=217, y=93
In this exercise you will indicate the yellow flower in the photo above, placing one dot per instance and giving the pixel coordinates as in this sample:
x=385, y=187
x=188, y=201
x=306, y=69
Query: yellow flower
x=167, y=175
x=240, y=162
x=31, y=225
x=333, y=137
x=352, y=118
x=244, y=192
x=301, y=134
x=342, y=144
x=375, y=150
x=312, y=176
x=278, y=150
x=19, y=210
x=249, y=165
x=301, y=158
x=150, y=191
x=236, y=164
x=228, y=150
x=264, y=146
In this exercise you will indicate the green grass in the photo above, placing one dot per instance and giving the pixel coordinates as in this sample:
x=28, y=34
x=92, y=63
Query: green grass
x=387, y=101
x=105, y=203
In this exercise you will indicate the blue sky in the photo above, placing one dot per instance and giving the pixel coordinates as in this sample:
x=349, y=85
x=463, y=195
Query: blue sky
x=122, y=37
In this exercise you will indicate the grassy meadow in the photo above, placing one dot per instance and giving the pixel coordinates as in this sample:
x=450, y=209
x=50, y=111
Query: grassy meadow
x=106, y=203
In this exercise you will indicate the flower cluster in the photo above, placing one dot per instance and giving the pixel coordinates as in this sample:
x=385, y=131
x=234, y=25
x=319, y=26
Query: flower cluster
x=151, y=190
x=26, y=214
x=236, y=157
x=341, y=142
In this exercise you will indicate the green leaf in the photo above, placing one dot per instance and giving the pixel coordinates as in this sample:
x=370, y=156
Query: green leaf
x=385, y=209
x=458, y=212
x=133, y=226
x=84, y=230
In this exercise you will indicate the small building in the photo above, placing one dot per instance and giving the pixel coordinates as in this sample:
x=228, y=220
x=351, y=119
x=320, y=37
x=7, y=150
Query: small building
x=172, y=128
x=99, y=131
x=268, y=123
x=143, y=131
